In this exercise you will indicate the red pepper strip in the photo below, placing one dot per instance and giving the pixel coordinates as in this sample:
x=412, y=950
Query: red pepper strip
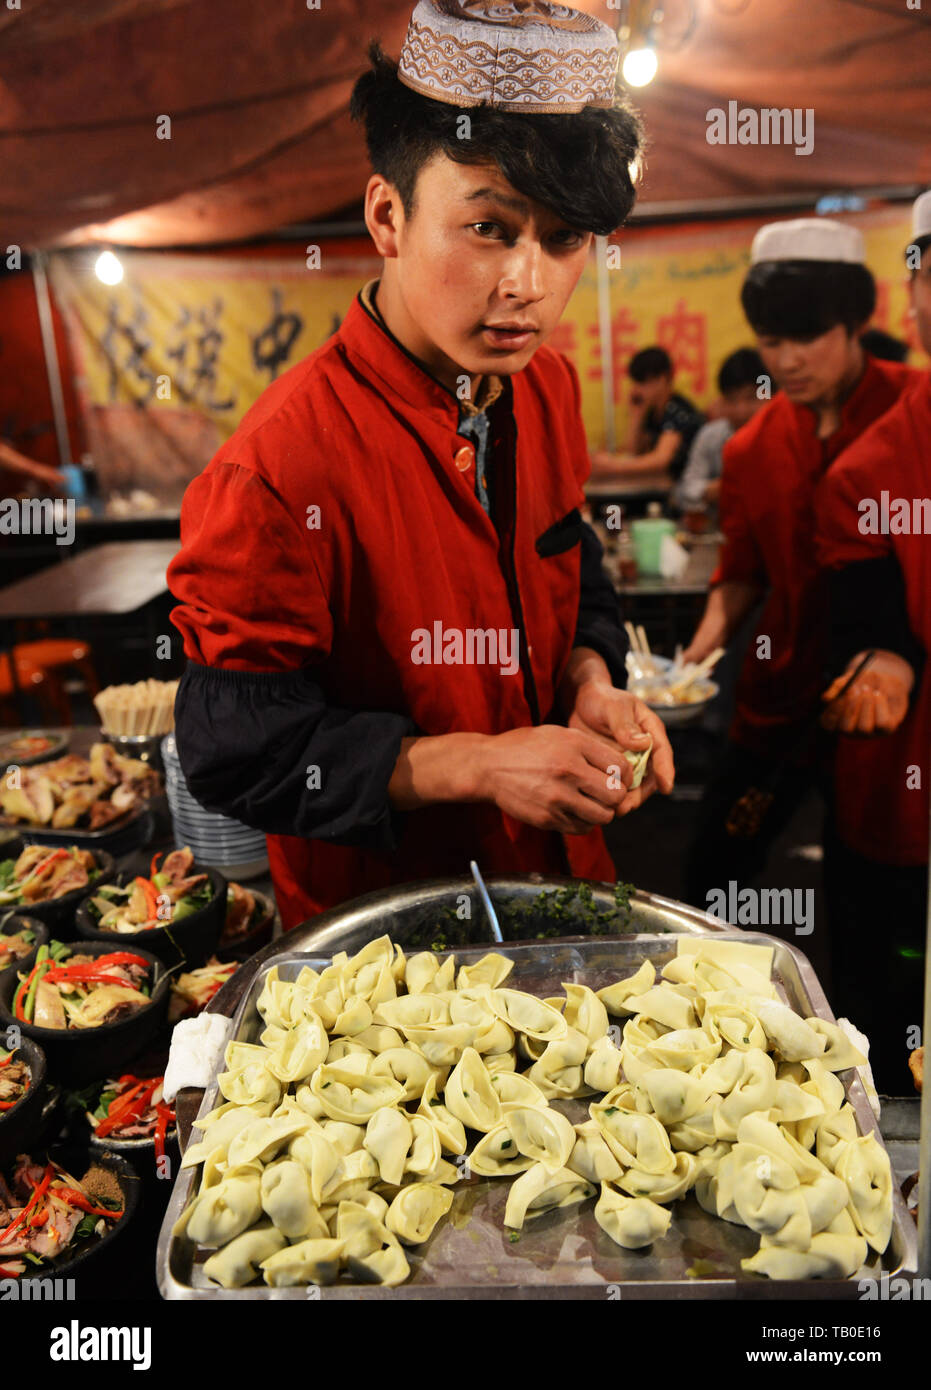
x=151, y=895
x=152, y=870
x=74, y=1198
x=8, y=1104
x=5, y=1061
x=83, y=975
x=45, y=864
x=165, y=1115
x=23, y=990
x=37, y=1193
x=39, y=1218
x=126, y=1107
x=121, y=958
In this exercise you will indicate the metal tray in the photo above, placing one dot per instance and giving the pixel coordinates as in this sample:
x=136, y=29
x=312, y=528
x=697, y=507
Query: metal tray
x=563, y=1254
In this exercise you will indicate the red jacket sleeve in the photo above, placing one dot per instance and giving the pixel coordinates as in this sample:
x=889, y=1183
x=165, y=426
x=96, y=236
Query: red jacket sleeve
x=250, y=591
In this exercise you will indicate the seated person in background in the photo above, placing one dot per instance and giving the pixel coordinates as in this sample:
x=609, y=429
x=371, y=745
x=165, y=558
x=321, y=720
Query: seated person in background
x=738, y=384
x=884, y=346
x=663, y=425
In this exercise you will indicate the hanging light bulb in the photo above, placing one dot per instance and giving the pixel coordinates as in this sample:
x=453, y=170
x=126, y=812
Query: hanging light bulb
x=107, y=268
x=639, y=67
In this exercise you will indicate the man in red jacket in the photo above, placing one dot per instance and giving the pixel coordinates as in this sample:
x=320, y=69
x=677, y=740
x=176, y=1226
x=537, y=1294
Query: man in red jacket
x=807, y=296
x=390, y=604
x=874, y=535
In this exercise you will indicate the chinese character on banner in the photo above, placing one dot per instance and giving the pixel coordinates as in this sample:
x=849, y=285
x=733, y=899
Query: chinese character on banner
x=625, y=333
x=125, y=346
x=684, y=335
x=272, y=347
x=195, y=377
x=563, y=339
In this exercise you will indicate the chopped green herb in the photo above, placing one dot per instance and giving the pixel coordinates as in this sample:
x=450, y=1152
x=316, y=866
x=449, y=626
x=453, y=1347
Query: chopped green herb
x=505, y=1143
x=434, y=1101
x=612, y=1110
x=514, y=1237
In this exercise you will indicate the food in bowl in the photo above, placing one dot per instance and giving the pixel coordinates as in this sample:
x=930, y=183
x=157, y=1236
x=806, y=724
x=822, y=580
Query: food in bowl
x=129, y=1107
x=41, y=874
x=167, y=895
x=244, y=912
x=68, y=989
x=193, y=991
x=16, y=946
x=73, y=792
x=45, y=1213
x=15, y=1077
x=661, y=693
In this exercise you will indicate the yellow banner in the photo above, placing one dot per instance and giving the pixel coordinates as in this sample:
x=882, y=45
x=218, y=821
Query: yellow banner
x=169, y=360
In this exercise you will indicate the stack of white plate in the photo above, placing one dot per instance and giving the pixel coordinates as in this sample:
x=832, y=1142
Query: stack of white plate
x=216, y=840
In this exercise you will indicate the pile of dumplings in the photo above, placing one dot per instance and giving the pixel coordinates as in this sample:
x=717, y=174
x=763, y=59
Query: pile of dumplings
x=344, y=1129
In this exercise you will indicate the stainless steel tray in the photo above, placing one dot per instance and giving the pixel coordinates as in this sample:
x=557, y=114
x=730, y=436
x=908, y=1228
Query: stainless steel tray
x=563, y=1254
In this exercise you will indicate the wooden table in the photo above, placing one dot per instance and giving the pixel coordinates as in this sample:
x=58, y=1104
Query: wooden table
x=117, y=578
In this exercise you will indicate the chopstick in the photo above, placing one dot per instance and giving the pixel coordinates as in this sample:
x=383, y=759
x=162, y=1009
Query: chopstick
x=696, y=673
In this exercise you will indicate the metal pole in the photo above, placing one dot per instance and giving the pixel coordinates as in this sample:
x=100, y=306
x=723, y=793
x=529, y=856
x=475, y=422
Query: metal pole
x=924, y=1146
x=52, y=367
x=604, y=333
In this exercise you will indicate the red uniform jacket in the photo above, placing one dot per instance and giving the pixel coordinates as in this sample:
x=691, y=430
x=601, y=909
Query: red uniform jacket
x=882, y=805
x=400, y=542
x=772, y=467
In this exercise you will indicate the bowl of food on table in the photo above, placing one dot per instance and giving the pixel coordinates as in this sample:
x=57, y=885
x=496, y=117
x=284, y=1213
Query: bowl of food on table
x=193, y=990
x=176, y=910
x=27, y=746
x=128, y=1112
x=88, y=1007
x=22, y=1095
x=47, y=881
x=249, y=923
x=20, y=938
x=52, y=1220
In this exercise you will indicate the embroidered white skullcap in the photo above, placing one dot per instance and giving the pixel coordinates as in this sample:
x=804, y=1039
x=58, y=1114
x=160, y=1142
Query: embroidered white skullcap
x=520, y=55
x=808, y=239
x=921, y=216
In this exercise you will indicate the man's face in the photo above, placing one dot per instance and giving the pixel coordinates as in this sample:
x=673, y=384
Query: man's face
x=740, y=405
x=476, y=253
x=813, y=371
x=650, y=395
x=920, y=291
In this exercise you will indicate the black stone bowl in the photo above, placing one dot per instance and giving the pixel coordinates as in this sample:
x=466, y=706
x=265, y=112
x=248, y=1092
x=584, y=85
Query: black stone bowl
x=77, y=1056
x=11, y=926
x=20, y=1125
x=95, y=1263
x=246, y=944
x=58, y=913
x=187, y=942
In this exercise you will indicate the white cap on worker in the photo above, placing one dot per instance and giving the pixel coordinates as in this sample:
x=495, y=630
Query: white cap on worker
x=921, y=216
x=809, y=239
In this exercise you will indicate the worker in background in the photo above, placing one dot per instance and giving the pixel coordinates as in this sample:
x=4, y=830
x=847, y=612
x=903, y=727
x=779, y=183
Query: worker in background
x=740, y=378
x=663, y=425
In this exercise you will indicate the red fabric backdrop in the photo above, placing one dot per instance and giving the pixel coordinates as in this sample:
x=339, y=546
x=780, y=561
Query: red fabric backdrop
x=258, y=97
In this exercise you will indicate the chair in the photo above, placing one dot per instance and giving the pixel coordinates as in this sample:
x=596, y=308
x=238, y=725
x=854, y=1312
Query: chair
x=33, y=682
x=54, y=656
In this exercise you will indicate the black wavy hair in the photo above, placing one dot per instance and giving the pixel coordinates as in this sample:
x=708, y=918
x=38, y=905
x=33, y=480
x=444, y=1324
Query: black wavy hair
x=648, y=364
x=741, y=368
x=576, y=165
x=804, y=299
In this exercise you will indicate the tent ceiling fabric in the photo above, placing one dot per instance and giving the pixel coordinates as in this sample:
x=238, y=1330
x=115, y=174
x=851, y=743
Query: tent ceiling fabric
x=261, y=137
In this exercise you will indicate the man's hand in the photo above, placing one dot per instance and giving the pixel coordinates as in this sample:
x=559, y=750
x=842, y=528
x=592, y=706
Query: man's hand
x=877, y=702
x=553, y=778
x=626, y=722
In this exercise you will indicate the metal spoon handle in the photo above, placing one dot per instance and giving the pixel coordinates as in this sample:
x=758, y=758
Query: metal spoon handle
x=486, y=900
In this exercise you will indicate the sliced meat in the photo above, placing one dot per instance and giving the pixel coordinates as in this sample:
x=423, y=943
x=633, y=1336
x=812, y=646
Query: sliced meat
x=177, y=864
x=240, y=905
